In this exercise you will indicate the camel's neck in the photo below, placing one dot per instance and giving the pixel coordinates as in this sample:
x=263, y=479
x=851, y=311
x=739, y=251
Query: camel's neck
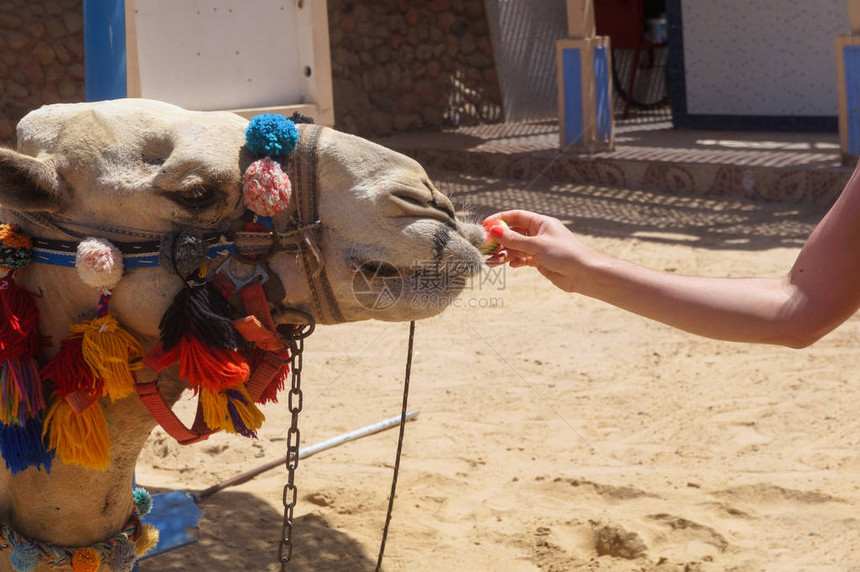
x=74, y=506
x=71, y=505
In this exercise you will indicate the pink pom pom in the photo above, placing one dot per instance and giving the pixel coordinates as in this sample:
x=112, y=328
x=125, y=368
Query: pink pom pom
x=99, y=263
x=266, y=188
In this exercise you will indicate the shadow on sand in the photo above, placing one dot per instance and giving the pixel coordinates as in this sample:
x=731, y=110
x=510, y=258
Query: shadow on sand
x=240, y=532
x=700, y=221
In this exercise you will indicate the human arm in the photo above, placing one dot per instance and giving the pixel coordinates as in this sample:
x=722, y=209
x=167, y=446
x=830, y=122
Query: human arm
x=820, y=291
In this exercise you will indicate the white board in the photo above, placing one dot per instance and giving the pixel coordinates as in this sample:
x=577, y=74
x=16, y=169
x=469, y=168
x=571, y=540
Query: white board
x=229, y=54
x=767, y=57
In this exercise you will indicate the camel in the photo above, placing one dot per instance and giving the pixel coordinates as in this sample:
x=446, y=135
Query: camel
x=124, y=168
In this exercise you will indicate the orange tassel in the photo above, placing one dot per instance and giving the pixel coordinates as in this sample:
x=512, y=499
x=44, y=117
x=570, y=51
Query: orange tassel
x=79, y=439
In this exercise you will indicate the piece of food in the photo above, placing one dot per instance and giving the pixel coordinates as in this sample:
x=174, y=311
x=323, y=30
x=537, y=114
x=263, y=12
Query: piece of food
x=490, y=243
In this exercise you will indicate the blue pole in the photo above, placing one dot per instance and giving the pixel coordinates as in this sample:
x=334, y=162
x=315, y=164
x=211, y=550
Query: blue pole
x=104, y=49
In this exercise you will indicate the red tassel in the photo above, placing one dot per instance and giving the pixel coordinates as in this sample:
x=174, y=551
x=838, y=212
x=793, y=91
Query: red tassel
x=69, y=370
x=19, y=321
x=211, y=367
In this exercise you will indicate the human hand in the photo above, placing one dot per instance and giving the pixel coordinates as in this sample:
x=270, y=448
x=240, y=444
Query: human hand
x=542, y=242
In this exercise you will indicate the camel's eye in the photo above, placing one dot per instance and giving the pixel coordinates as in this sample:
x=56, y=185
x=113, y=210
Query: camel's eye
x=196, y=198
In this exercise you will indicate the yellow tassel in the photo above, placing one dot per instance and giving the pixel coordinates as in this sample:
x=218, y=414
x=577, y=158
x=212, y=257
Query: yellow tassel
x=214, y=406
x=232, y=410
x=111, y=353
x=147, y=538
x=86, y=560
x=79, y=439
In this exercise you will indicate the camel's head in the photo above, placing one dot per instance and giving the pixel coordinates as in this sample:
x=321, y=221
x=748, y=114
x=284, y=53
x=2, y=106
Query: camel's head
x=389, y=243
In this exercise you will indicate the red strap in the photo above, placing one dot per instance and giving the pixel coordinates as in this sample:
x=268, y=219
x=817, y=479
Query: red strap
x=164, y=416
x=254, y=299
x=154, y=358
x=224, y=285
x=253, y=331
x=264, y=373
x=259, y=327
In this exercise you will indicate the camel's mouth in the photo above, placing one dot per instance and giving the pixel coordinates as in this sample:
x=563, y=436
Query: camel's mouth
x=395, y=287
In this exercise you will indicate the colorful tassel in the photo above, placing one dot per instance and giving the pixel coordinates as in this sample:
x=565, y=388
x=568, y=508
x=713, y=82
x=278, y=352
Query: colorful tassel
x=86, y=559
x=24, y=446
x=22, y=401
x=197, y=331
x=231, y=410
x=20, y=390
x=78, y=439
x=69, y=370
x=199, y=365
x=146, y=539
x=199, y=310
x=111, y=353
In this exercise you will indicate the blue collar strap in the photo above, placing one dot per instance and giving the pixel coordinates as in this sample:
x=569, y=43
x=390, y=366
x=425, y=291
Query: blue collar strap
x=134, y=254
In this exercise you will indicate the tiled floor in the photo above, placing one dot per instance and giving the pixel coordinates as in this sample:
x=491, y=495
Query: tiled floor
x=648, y=153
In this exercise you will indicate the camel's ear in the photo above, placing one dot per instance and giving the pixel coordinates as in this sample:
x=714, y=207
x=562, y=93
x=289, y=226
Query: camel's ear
x=27, y=183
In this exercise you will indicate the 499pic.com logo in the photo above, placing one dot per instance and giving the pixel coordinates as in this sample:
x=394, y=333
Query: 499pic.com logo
x=377, y=285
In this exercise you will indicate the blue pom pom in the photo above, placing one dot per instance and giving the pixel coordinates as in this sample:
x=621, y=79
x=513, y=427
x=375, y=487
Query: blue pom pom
x=24, y=557
x=143, y=500
x=271, y=135
x=24, y=446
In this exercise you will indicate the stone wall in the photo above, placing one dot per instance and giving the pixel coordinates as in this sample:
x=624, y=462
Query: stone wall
x=41, y=57
x=396, y=66
x=402, y=66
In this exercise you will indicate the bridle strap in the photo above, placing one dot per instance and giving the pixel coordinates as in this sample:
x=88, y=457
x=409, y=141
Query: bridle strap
x=302, y=170
x=154, y=402
x=145, y=254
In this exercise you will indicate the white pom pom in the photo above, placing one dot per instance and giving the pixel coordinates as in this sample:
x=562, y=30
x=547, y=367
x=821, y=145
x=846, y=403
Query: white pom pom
x=266, y=188
x=99, y=263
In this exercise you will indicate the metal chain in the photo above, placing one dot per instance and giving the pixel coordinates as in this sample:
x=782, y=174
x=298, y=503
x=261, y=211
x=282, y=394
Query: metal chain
x=290, y=494
x=294, y=401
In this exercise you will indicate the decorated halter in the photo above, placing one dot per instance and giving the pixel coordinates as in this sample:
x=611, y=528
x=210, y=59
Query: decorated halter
x=231, y=364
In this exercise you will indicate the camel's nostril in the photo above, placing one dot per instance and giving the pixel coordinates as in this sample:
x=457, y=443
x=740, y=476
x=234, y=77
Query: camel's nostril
x=443, y=203
x=414, y=204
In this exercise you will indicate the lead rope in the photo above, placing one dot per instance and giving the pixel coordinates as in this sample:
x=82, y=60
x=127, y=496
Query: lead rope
x=294, y=401
x=399, y=444
x=297, y=342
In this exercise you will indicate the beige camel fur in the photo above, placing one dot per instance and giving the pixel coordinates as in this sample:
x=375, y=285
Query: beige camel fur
x=146, y=165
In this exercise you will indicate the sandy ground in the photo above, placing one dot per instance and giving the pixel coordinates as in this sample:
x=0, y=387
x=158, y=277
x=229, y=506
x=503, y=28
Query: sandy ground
x=557, y=433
